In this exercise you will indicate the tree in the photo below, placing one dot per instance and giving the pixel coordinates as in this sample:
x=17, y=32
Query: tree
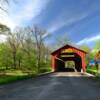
x=61, y=41
x=97, y=46
x=85, y=48
x=2, y=2
x=37, y=34
x=32, y=45
x=89, y=55
x=4, y=29
x=96, y=49
x=5, y=56
x=27, y=46
x=13, y=40
x=25, y=50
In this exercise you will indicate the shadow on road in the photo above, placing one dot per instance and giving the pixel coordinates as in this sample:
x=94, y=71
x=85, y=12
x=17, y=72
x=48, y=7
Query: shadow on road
x=55, y=86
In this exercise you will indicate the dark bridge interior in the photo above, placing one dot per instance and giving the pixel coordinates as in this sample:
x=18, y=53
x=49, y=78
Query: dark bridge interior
x=62, y=58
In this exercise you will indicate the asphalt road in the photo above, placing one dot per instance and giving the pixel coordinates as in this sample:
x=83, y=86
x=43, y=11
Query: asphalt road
x=57, y=86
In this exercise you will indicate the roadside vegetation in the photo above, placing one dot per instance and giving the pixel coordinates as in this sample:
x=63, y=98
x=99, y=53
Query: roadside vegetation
x=93, y=70
x=23, y=54
x=91, y=54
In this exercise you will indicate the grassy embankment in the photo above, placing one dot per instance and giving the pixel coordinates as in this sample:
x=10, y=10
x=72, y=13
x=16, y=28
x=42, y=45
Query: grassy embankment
x=94, y=71
x=9, y=76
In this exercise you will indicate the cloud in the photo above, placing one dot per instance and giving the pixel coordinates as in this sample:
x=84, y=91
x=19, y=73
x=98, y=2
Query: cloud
x=8, y=21
x=22, y=12
x=89, y=40
x=65, y=22
x=72, y=16
x=32, y=9
x=3, y=38
x=59, y=23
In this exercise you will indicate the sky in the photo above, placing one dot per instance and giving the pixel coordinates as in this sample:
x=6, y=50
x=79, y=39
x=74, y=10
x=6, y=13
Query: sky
x=77, y=20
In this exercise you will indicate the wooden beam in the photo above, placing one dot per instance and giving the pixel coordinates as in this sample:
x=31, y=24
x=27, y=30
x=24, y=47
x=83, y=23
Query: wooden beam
x=60, y=59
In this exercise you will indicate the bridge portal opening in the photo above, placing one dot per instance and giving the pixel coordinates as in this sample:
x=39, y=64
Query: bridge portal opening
x=68, y=58
x=68, y=63
x=70, y=66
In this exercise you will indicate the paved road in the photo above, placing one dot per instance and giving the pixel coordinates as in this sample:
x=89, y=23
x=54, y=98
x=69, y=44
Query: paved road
x=57, y=86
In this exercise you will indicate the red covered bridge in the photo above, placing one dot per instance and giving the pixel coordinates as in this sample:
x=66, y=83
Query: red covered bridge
x=68, y=53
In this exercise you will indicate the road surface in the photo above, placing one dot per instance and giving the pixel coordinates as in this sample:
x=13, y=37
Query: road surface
x=56, y=86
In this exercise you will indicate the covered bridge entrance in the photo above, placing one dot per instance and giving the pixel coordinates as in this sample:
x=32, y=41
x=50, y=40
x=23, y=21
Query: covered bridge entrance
x=71, y=54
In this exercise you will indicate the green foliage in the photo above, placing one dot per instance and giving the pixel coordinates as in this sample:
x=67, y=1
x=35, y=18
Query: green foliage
x=97, y=45
x=93, y=70
x=5, y=57
x=4, y=28
x=9, y=78
x=29, y=62
x=20, y=52
x=89, y=55
x=45, y=67
x=69, y=64
x=85, y=48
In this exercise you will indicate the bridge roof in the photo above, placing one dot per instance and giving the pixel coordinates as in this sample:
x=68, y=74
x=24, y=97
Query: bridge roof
x=67, y=46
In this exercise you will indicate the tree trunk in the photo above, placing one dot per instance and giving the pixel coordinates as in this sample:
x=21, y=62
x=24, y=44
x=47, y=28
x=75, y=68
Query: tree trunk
x=39, y=59
x=14, y=60
x=19, y=63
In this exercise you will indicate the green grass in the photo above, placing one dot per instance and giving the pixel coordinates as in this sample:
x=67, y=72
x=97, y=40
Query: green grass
x=93, y=70
x=97, y=78
x=8, y=79
x=9, y=76
x=13, y=75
